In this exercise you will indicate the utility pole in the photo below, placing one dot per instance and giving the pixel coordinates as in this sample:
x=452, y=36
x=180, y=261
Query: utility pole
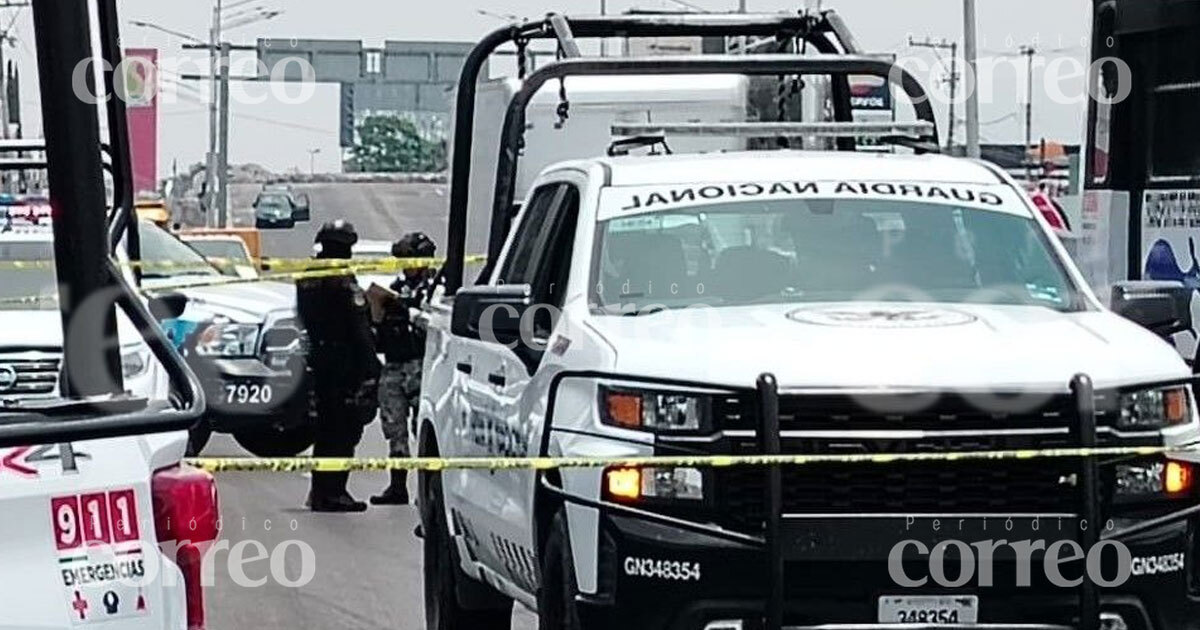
x=603, y=41
x=1029, y=52
x=954, y=78
x=7, y=39
x=971, y=52
x=210, y=174
x=223, y=140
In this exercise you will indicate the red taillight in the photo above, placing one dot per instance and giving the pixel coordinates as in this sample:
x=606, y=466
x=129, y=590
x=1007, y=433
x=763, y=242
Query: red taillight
x=185, y=505
x=186, y=513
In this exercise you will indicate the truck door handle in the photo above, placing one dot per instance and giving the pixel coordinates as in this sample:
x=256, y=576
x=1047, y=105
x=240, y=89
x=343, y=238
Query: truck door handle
x=498, y=379
x=465, y=368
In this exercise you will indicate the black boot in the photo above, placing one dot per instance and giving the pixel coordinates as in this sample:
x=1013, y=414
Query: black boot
x=337, y=503
x=396, y=492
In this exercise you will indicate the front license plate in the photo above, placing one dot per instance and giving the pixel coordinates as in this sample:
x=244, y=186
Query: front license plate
x=936, y=610
x=248, y=394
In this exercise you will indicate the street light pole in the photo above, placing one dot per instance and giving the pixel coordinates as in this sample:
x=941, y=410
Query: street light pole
x=312, y=161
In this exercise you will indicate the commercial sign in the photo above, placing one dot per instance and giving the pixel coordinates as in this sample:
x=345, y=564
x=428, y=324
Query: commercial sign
x=141, y=101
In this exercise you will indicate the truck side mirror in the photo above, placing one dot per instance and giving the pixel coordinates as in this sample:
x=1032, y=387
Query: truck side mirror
x=167, y=306
x=491, y=313
x=1161, y=307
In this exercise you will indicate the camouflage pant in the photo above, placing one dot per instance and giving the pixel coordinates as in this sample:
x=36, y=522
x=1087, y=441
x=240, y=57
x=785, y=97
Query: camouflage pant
x=399, y=394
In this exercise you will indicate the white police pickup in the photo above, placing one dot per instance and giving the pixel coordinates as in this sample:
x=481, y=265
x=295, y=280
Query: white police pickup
x=902, y=304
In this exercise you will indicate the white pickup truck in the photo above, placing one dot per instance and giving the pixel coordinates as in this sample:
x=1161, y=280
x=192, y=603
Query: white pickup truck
x=902, y=304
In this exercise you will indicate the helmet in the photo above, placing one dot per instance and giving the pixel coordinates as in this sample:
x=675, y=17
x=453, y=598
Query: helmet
x=338, y=232
x=414, y=245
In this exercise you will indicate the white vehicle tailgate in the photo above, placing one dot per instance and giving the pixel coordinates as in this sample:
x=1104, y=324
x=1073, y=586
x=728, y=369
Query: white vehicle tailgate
x=78, y=545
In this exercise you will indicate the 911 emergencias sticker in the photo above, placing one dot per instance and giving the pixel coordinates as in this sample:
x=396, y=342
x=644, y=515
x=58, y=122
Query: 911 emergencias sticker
x=102, y=562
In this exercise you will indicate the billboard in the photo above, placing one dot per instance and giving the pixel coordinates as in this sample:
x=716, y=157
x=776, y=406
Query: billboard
x=870, y=93
x=141, y=102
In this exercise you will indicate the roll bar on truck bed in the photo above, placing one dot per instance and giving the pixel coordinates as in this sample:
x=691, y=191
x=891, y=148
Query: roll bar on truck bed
x=823, y=31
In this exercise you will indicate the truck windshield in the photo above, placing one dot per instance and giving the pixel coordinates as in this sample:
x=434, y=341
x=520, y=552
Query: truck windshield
x=226, y=250
x=27, y=288
x=168, y=257
x=819, y=250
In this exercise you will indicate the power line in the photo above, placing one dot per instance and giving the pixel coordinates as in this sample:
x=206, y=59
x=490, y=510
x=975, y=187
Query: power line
x=938, y=47
x=263, y=119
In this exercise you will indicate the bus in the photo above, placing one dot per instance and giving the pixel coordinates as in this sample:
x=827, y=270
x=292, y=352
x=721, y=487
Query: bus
x=1141, y=206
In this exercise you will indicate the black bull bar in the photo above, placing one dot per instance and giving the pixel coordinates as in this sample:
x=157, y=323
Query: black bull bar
x=1083, y=434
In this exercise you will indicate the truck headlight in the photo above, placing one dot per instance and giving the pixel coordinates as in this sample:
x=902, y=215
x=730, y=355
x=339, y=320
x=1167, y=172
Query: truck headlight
x=135, y=360
x=1155, y=408
x=654, y=411
x=228, y=339
x=635, y=484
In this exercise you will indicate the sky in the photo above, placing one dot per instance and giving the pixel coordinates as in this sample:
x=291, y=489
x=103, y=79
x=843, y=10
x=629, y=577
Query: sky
x=284, y=136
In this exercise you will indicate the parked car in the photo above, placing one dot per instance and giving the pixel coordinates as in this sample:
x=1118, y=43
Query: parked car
x=300, y=202
x=245, y=343
x=228, y=253
x=272, y=210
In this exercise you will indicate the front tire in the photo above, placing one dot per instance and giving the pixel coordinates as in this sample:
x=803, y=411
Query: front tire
x=557, y=609
x=198, y=438
x=443, y=610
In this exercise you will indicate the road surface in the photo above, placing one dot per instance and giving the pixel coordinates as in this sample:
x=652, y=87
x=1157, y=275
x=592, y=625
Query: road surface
x=367, y=567
x=382, y=212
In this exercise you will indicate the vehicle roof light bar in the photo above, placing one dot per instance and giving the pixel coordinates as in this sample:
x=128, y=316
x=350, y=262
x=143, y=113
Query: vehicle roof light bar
x=16, y=145
x=22, y=164
x=769, y=129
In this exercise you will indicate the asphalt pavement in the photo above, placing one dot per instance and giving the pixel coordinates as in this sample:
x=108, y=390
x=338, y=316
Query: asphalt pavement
x=365, y=568
x=380, y=212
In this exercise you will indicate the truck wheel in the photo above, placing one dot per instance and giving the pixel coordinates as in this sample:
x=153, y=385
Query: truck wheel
x=274, y=442
x=557, y=609
x=198, y=438
x=443, y=610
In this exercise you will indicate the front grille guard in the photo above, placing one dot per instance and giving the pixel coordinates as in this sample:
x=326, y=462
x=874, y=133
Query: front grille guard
x=766, y=396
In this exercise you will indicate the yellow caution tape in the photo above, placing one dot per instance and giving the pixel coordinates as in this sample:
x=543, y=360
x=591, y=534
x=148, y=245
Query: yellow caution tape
x=306, y=269
x=283, y=264
x=433, y=464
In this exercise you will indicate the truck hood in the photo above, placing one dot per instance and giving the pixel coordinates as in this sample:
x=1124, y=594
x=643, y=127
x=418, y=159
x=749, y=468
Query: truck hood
x=242, y=302
x=43, y=330
x=37, y=329
x=890, y=345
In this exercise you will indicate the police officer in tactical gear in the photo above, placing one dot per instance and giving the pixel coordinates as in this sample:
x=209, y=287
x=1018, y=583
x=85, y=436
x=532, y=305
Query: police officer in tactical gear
x=403, y=346
x=345, y=368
